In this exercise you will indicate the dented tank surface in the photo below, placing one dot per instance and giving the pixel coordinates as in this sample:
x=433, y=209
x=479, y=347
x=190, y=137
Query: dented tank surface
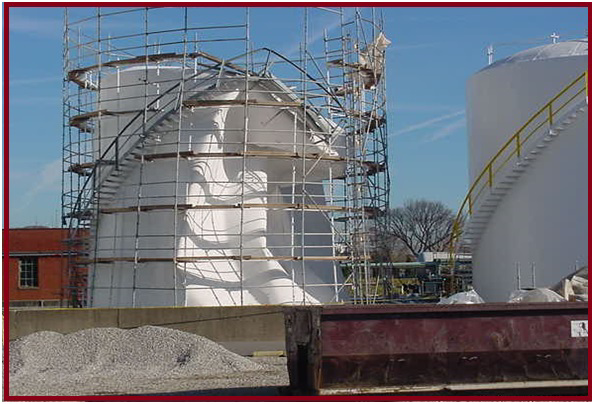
x=429, y=348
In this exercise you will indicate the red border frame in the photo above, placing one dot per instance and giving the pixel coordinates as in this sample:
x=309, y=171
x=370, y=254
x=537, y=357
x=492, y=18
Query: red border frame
x=5, y=257
x=449, y=4
x=589, y=92
x=5, y=220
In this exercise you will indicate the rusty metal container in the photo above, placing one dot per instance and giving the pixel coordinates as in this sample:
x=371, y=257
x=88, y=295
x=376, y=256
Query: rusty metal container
x=437, y=348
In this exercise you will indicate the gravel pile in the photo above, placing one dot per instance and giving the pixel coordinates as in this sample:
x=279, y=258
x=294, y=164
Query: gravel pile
x=49, y=363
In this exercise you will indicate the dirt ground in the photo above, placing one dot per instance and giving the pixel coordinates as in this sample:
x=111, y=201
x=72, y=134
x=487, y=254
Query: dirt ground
x=261, y=383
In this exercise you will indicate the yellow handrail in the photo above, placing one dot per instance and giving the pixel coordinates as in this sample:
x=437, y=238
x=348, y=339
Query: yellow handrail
x=484, y=180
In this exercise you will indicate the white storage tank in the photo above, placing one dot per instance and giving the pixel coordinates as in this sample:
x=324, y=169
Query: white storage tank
x=529, y=225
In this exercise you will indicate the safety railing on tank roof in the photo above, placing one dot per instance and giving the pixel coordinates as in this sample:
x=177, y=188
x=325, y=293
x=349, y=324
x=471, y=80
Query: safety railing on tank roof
x=513, y=148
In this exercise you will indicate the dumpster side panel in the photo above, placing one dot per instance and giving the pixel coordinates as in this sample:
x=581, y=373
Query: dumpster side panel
x=429, y=345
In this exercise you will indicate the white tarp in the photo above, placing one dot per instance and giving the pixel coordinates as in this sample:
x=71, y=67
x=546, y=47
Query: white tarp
x=372, y=60
x=470, y=297
x=539, y=295
x=372, y=56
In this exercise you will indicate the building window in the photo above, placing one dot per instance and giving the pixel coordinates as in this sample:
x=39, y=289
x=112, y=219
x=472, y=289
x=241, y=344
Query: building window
x=28, y=272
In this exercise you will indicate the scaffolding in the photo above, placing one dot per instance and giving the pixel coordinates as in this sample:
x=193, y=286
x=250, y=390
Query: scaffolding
x=193, y=159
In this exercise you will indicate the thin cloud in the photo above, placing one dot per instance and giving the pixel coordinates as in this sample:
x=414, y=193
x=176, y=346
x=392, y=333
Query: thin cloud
x=48, y=179
x=446, y=130
x=428, y=123
x=34, y=81
x=411, y=46
x=436, y=18
x=312, y=38
x=316, y=35
x=27, y=101
x=397, y=108
x=39, y=27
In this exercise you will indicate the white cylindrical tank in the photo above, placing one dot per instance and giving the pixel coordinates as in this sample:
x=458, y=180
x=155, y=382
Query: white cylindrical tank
x=541, y=223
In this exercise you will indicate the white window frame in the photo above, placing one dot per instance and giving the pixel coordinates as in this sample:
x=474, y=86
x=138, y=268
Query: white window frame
x=32, y=272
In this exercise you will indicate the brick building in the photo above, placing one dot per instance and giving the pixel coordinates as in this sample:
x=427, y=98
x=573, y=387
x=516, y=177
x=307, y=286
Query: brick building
x=38, y=275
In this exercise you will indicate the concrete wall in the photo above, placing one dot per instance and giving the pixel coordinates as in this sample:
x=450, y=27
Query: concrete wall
x=240, y=329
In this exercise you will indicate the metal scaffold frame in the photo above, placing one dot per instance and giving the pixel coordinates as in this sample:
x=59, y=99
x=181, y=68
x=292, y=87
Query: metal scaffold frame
x=335, y=154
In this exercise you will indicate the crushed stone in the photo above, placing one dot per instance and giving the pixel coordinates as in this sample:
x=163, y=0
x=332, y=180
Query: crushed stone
x=114, y=361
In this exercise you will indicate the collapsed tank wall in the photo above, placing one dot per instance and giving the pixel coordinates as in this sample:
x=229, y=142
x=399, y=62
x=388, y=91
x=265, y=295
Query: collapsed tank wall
x=203, y=267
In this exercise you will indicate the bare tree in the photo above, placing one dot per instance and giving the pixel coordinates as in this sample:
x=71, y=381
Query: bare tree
x=389, y=248
x=421, y=225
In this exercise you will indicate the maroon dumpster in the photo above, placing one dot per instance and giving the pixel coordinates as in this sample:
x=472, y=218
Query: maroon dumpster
x=404, y=349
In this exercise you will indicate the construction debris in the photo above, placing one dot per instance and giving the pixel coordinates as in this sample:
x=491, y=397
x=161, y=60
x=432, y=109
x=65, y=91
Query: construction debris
x=574, y=288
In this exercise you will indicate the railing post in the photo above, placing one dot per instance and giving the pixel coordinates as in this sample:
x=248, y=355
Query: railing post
x=454, y=238
x=586, y=80
x=551, y=114
x=117, y=153
x=518, y=144
x=469, y=205
x=490, y=175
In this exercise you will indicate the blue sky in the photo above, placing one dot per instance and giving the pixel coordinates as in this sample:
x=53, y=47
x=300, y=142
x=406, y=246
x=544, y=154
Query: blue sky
x=433, y=53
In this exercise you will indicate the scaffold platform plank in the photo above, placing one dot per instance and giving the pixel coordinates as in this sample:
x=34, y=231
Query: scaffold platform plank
x=257, y=103
x=81, y=168
x=75, y=74
x=146, y=208
x=289, y=206
x=109, y=260
x=373, y=166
